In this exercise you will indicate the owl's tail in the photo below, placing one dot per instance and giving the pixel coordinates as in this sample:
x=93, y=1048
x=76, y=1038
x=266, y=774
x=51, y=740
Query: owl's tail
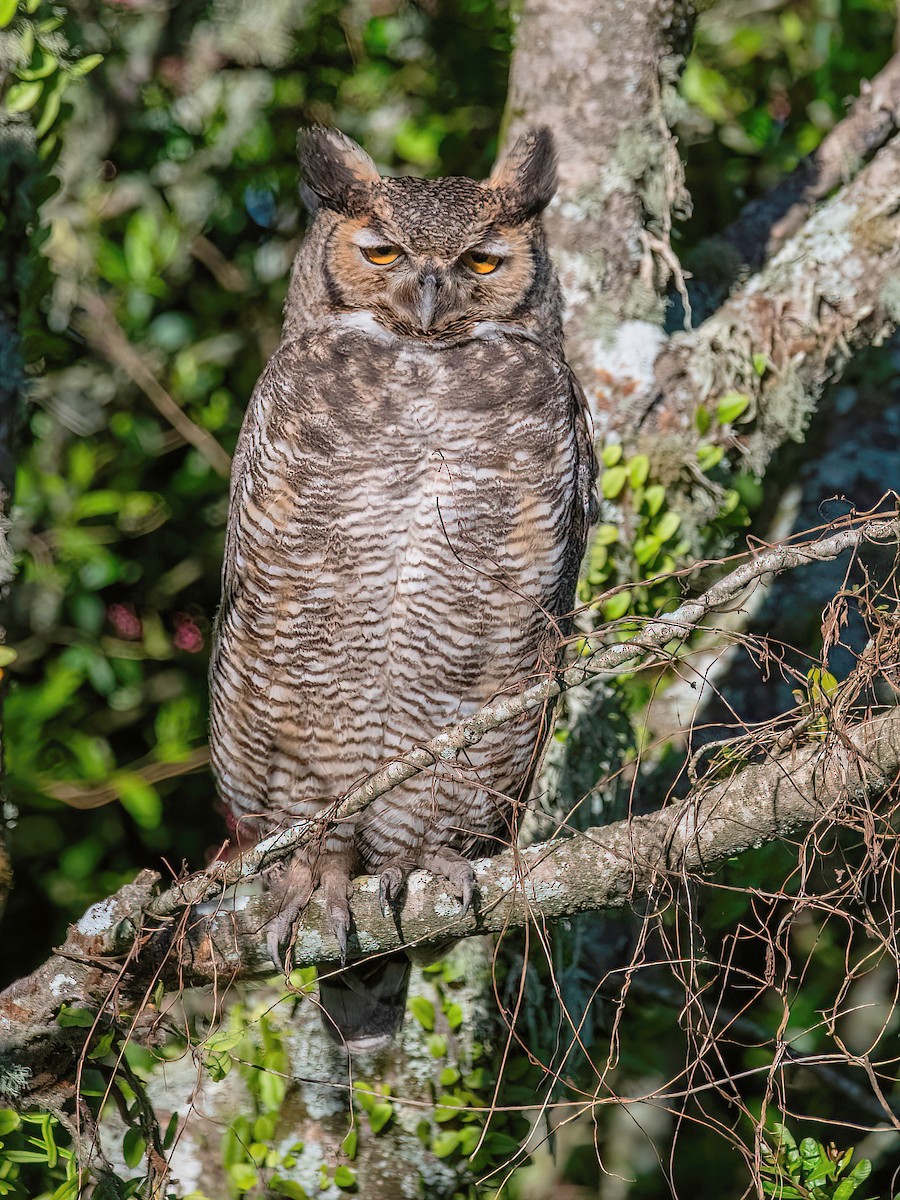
x=363, y=1006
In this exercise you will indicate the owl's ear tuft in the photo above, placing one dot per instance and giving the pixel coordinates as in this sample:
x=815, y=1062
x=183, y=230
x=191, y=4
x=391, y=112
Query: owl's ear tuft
x=333, y=167
x=526, y=175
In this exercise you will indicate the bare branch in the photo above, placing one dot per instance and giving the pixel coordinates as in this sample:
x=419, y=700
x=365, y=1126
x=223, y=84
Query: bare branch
x=830, y=290
x=105, y=335
x=766, y=224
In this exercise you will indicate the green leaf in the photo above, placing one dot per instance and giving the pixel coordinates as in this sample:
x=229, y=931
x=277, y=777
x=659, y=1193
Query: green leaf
x=8, y=655
x=731, y=406
x=501, y=1145
x=219, y=1065
x=616, y=606
x=638, y=470
x=846, y=1188
x=423, y=1010
x=667, y=526
x=645, y=548
x=379, y=1115
x=224, y=1039
x=133, y=1147
x=702, y=420
x=469, y=1139
x=85, y=64
x=437, y=1045
x=51, y=107
x=344, y=1177
x=77, y=1018
x=448, y=1077
x=103, y=1045
x=287, y=1187
x=610, y=455
x=7, y=12
x=454, y=1015
x=139, y=800
x=612, y=481
x=445, y=1143
x=244, y=1176
x=68, y=1190
x=654, y=498
x=23, y=96
x=760, y=364
x=350, y=1143
x=605, y=535
x=861, y=1171
x=709, y=456
x=171, y=1131
x=9, y=1121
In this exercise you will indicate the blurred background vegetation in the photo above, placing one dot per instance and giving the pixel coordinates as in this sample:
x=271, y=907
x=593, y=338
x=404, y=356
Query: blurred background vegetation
x=169, y=240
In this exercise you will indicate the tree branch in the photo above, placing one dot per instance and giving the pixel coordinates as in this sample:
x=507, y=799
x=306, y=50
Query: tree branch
x=831, y=289
x=651, y=644
x=115, y=953
x=105, y=335
x=766, y=224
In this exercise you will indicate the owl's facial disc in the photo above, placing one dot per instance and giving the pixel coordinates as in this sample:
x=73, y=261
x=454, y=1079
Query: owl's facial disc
x=432, y=283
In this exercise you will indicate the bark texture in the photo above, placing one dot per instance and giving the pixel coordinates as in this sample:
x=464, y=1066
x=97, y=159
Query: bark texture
x=602, y=77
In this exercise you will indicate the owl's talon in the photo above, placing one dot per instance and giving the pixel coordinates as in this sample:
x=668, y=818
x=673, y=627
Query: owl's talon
x=389, y=888
x=280, y=938
x=468, y=893
x=340, y=926
x=456, y=869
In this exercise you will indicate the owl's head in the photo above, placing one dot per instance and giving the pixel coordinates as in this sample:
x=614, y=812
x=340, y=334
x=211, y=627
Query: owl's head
x=428, y=258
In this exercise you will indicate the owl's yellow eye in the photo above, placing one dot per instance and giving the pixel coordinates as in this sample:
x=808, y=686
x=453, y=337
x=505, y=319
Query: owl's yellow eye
x=381, y=256
x=481, y=264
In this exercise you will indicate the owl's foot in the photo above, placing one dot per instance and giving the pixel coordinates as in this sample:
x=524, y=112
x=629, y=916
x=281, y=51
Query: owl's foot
x=456, y=869
x=332, y=873
x=447, y=863
x=390, y=885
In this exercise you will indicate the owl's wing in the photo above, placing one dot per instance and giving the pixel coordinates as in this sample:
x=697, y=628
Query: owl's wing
x=587, y=507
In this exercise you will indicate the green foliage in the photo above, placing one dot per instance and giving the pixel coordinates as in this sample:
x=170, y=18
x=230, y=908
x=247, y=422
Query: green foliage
x=631, y=559
x=173, y=237
x=809, y=1171
x=38, y=64
x=36, y=1161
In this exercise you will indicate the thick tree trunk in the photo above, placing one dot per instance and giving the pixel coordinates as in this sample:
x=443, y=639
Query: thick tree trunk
x=602, y=76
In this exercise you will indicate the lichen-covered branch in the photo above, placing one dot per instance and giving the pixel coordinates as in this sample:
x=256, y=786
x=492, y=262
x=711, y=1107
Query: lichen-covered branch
x=116, y=955
x=833, y=288
x=766, y=224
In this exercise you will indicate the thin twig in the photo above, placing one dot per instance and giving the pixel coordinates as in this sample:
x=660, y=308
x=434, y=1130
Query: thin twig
x=105, y=335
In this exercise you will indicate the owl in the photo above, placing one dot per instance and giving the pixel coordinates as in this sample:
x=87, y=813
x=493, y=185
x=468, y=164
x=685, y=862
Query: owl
x=410, y=499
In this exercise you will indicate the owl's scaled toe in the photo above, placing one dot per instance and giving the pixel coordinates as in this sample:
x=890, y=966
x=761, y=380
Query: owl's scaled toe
x=281, y=935
x=456, y=869
x=467, y=889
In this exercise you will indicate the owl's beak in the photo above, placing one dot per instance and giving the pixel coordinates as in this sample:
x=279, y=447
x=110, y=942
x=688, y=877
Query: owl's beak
x=427, y=300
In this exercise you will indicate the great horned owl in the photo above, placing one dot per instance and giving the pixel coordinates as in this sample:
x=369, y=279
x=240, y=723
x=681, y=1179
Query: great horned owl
x=410, y=499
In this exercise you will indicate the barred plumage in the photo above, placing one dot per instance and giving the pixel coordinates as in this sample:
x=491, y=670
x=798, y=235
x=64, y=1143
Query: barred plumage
x=410, y=499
